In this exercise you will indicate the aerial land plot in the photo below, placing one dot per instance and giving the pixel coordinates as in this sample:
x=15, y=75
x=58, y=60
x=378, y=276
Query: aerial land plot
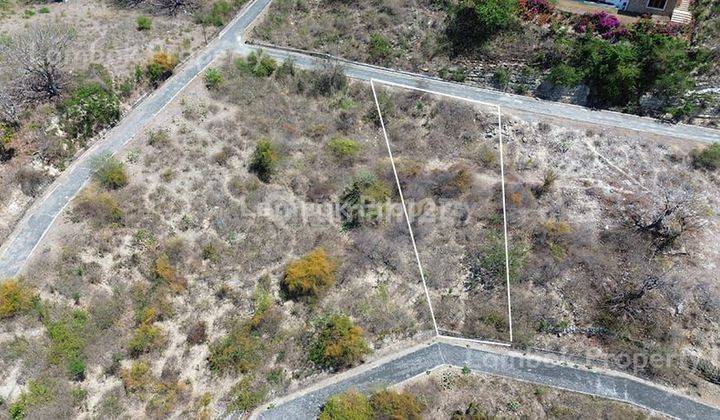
x=615, y=239
x=205, y=269
x=447, y=155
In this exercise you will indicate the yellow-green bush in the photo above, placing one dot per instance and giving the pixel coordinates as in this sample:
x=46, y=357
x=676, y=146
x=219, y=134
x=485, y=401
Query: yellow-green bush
x=350, y=405
x=165, y=271
x=309, y=276
x=146, y=338
x=387, y=404
x=137, y=377
x=239, y=351
x=339, y=343
x=15, y=298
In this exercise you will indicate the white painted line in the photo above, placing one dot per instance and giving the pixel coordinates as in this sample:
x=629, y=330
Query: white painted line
x=432, y=92
x=474, y=340
x=507, y=257
x=502, y=182
x=402, y=201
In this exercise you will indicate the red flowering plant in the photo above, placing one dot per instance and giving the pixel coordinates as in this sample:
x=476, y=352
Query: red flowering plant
x=606, y=25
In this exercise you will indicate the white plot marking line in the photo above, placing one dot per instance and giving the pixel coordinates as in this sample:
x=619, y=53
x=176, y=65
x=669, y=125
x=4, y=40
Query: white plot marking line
x=507, y=257
x=502, y=177
x=407, y=218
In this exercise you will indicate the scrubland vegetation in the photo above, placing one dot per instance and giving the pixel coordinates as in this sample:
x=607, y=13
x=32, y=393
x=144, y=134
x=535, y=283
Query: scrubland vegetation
x=72, y=69
x=594, y=59
x=200, y=271
x=181, y=287
x=456, y=394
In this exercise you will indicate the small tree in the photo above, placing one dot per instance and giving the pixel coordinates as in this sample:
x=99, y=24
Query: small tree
x=264, y=160
x=339, y=343
x=309, y=276
x=109, y=172
x=39, y=57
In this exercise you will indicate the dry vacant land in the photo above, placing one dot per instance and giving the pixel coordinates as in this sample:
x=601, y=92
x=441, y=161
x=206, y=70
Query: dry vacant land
x=251, y=241
x=98, y=56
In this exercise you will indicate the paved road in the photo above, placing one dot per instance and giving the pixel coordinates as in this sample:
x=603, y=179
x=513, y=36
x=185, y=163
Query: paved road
x=514, y=367
x=504, y=100
x=30, y=231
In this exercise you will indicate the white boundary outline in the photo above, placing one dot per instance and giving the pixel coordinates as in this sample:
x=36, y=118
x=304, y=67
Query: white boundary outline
x=407, y=218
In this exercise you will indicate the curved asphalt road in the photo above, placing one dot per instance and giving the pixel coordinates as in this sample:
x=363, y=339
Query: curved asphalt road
x=620, y=388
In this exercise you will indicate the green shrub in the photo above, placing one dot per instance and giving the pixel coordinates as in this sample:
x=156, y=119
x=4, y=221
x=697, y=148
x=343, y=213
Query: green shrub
x=344, y=149
x=350, y=405
x=708, y=158
x=15, y=298
x=495, y=15
x=238, y=352
x=264, y=160
x=338, y=343
x=213, y=78
x=246, y=395
x=146, y=338
x=361, y=200
x=388, y=404
x=493, y=258
x=38, y=393
x=611, y=71
x=137, y=377
x=68, y=337
x=379, y=48
x=91, y=107
x=501, y=78
x=144, y=23
x=309, y=276
x=258, y=64
x=565, y=75
x=43, y=10
x=109, y=172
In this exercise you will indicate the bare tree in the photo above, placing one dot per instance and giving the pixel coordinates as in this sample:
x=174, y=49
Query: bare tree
x=172, y=7
x=665, y=213
x=12, y=101
x=38, y=56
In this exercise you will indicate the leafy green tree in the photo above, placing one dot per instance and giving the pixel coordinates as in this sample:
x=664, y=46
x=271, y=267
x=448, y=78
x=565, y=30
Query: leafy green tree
x=611, y=71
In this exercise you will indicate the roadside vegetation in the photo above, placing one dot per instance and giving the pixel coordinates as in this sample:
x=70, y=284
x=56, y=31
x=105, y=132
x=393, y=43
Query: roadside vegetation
x=459, y=394
x=526, y=46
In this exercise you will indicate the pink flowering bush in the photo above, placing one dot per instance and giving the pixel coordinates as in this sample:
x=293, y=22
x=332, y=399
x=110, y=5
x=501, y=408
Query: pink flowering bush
x=606, y=25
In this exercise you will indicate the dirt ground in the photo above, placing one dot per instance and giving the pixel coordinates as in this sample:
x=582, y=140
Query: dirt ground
x=448, y=391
